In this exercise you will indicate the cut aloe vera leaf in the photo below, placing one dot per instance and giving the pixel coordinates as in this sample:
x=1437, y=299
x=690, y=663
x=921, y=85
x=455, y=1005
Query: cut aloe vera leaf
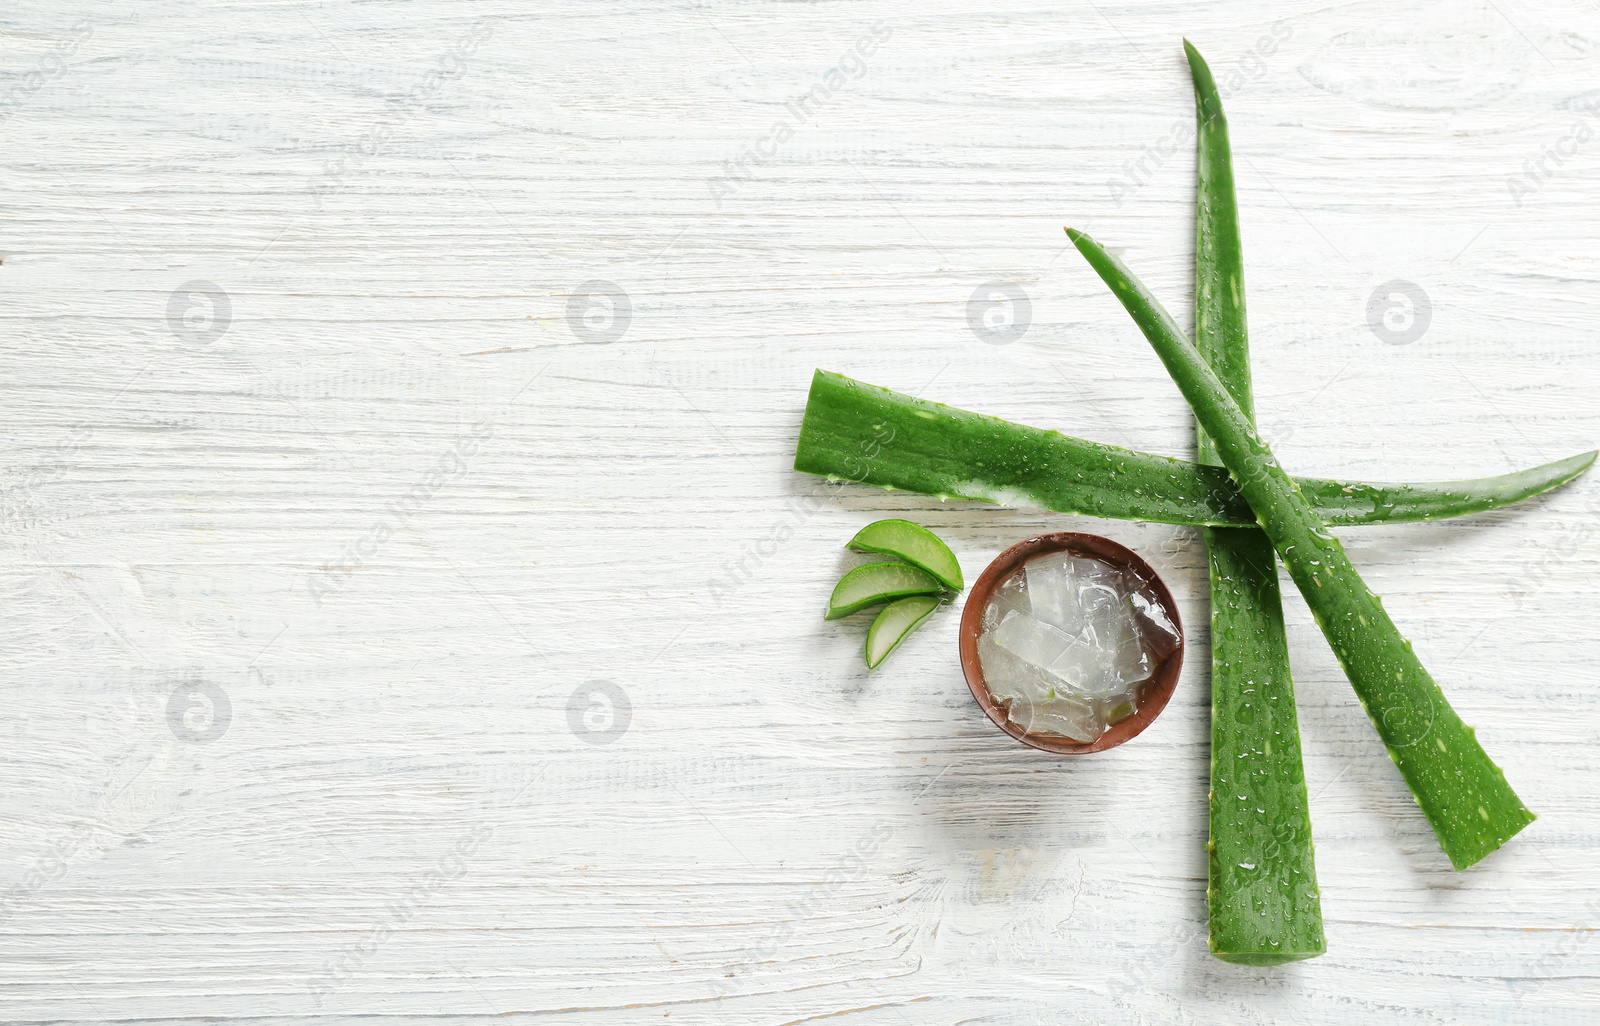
x=894, y=624
x=1264, y=906
x=913, y=543
x=1465, y=796
x=873, y=584
x=859, y=432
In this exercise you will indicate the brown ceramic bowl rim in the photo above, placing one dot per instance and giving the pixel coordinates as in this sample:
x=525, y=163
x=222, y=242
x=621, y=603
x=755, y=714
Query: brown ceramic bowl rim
x=1156, y=691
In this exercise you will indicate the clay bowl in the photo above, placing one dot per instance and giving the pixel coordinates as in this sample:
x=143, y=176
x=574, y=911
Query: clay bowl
x=1152, y=698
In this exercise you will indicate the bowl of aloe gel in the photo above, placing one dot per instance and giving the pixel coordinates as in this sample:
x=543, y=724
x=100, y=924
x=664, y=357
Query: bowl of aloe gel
x=1070, y=643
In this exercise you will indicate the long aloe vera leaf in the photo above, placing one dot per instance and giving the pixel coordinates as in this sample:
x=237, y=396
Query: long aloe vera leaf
x=860, y=432
x=1262, y=898
x=1462, y=792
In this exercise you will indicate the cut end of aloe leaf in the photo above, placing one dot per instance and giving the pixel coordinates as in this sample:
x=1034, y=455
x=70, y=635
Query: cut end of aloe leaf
x=1473, y=842
x=1267, y=957
x=913, y=543
x=896, y=623
x=873, y=584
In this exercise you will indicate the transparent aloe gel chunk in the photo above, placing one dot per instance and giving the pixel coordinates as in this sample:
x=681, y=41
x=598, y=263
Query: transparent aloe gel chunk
x=1066, y=643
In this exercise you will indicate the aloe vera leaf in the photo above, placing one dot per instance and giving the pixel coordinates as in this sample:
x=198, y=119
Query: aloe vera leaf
x=1263, y=903
x=874, y=583
x=895, y=623
x=1464, y=795
x=860, y=432
x=913, y=543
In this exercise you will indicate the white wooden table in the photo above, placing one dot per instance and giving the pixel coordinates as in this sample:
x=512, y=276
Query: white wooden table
x=328, y=509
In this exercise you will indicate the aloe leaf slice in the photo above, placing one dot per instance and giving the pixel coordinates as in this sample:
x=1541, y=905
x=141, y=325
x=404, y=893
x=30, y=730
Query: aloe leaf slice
x=894, y=623
x=1465, y=796
x=854, y=431
x=1261, y=890
x=872, y=584
x=913, y=543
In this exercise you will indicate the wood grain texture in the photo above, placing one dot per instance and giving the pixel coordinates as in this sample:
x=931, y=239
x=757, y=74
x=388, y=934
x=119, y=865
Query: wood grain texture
x=398, y=508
